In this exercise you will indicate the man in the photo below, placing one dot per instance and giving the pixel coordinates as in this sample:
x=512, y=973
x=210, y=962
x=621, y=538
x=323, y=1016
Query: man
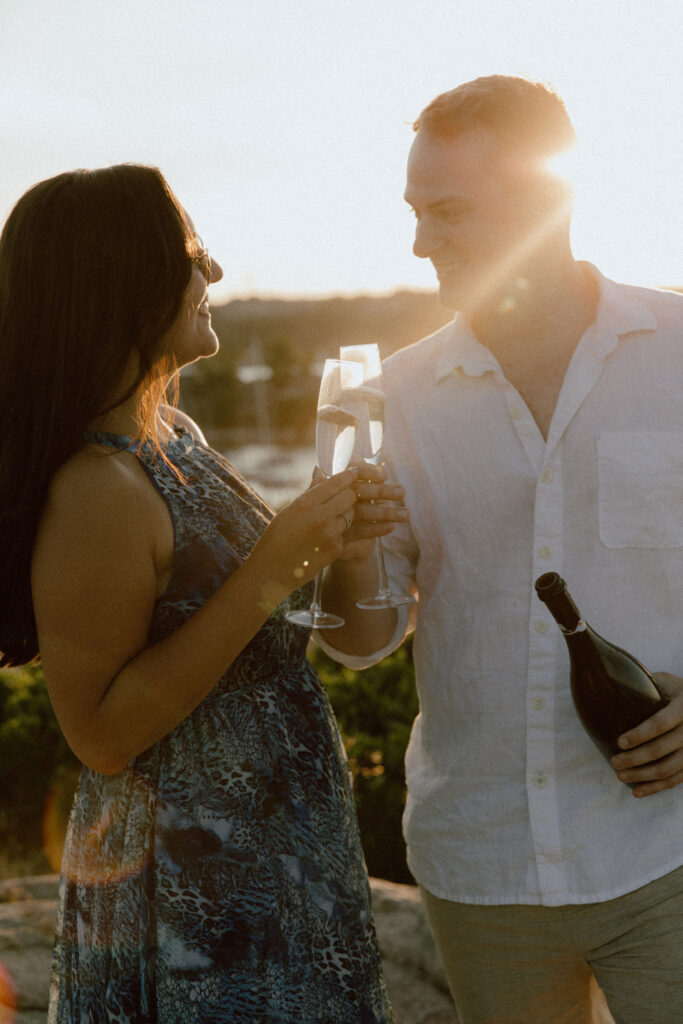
x=540, y=430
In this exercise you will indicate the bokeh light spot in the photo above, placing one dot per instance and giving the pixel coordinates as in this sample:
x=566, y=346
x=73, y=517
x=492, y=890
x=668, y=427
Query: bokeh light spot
x=8, y=997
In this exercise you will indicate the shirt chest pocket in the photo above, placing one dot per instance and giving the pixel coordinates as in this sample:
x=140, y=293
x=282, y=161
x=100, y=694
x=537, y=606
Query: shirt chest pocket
x=640, y=501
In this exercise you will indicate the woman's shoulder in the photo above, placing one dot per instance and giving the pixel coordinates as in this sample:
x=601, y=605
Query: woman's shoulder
x=98, y=473
x=102, y=491
x=103, y=515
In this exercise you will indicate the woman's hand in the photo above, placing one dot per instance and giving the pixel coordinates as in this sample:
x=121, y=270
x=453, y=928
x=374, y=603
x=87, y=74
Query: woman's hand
x=653, y=751
x=307, y=535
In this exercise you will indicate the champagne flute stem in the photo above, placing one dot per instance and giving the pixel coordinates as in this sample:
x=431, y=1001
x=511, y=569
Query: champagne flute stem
x=383, y=589
x=316, y=606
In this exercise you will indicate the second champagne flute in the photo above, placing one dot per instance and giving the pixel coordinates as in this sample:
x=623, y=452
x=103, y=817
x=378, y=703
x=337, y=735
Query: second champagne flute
x=367, y=404
x=335, y=437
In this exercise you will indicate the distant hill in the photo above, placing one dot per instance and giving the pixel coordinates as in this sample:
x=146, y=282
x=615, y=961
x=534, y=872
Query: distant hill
x=320, y=326
x=292, y=338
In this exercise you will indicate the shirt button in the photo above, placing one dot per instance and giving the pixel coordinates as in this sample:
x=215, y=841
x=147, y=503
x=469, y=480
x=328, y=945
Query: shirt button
x=547, y=475
x=541, y=627
x=538, y=703
x=540, y=780
x=516, y=412
x=545, y=551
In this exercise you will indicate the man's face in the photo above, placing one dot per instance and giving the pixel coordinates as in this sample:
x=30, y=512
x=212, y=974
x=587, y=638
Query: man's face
x=470, y=200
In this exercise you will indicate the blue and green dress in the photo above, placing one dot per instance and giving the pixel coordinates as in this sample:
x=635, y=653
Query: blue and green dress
x=219, y=878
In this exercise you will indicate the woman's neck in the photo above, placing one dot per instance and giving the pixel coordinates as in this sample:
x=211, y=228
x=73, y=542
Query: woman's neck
x=123, y=417
x=123, y=420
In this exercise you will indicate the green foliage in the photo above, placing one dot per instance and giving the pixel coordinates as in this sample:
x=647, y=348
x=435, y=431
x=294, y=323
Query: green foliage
x=375, y=709
x=36, y=764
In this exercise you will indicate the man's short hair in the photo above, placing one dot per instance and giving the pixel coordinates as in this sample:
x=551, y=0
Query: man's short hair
x=529, y=116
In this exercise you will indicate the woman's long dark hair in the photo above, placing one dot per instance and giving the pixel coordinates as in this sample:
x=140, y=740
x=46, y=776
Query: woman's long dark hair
x=93, y=269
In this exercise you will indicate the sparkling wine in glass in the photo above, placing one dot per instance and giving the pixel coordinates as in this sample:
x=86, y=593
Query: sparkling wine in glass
x=335, y=437
x=367, y=405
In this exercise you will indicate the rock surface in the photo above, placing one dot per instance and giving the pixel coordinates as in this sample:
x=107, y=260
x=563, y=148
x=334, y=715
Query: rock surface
x=414, y=976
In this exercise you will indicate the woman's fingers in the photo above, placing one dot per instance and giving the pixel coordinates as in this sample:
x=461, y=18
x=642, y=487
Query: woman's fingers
x=342, y=501
x=342, y=514
x=327, y=488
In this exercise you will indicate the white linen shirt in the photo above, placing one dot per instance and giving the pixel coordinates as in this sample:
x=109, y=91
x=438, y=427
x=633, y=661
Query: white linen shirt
x=508, y=799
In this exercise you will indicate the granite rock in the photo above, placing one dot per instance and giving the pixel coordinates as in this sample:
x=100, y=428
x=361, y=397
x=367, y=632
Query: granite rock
x=415, y=980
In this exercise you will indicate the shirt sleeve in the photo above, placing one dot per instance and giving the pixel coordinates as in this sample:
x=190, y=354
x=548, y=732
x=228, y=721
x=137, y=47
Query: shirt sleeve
x=361, y=661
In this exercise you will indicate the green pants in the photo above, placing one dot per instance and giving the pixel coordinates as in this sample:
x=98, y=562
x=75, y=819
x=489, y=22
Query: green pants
x=615, y=962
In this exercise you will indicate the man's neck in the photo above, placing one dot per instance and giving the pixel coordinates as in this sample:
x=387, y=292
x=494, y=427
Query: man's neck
x=535, y=338
x=541, y=312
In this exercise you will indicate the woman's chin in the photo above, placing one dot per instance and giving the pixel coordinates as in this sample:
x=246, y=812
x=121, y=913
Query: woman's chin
x=207, y=347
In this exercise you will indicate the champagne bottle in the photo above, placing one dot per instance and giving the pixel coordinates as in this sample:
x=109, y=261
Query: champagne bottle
x=612, y=691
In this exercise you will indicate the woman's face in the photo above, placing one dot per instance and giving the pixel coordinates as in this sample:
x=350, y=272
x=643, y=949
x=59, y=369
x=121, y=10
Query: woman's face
x=192, y=336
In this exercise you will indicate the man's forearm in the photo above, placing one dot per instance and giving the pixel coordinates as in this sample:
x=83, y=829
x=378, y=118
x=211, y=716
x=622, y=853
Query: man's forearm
x=364, y=631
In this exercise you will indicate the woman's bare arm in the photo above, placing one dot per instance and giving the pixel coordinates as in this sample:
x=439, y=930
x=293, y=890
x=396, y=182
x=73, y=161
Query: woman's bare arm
x=95, y=582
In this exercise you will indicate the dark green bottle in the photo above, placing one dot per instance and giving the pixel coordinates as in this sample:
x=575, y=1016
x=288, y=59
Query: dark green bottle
x=612, y=691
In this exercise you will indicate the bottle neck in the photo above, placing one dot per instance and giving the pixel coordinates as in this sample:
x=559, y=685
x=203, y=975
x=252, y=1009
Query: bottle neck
x=565, y=612
x=580, y=627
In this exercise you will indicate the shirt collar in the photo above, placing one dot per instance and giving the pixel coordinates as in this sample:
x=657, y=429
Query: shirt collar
x=619, y=312
x=462, y=350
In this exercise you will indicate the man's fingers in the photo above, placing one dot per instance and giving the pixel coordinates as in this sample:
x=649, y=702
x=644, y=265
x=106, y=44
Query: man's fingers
x=654, y=778
x=664, y=721
x=380, y=514
x=373, y=473
x=378, y=492
x=366, y=531
x=646, y=753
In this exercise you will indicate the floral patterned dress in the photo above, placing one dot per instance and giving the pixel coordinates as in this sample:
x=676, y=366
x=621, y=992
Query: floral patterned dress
x=219, y=877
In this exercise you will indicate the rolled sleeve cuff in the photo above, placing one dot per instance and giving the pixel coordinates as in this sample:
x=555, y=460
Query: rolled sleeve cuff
x=361, y=661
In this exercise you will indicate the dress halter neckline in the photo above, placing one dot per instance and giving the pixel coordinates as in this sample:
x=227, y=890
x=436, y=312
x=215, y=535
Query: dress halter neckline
x=123, y=441
x=126, y=443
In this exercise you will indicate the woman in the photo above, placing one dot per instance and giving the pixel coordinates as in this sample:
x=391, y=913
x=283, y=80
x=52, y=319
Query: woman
x=212, y=869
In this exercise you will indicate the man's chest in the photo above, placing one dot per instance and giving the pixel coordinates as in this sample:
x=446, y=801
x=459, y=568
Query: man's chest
x=538, y=381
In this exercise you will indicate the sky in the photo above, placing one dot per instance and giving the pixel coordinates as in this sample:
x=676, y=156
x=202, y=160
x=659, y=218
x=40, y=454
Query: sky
x=283, y=125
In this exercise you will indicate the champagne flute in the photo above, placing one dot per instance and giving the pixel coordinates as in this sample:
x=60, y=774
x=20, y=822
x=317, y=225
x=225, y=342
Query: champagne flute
x=335, y=437
x=367, y=404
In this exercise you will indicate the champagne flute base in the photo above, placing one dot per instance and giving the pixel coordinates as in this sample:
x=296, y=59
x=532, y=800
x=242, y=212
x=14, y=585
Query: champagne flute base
x=315, y=620
x=385, y=601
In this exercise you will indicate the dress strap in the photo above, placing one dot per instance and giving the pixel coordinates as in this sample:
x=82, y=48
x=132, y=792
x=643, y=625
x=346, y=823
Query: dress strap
x=123, y=442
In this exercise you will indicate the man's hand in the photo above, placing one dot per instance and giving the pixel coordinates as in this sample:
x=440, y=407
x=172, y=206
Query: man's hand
x=653, y=757
x=354, y=573
x=372, y=516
